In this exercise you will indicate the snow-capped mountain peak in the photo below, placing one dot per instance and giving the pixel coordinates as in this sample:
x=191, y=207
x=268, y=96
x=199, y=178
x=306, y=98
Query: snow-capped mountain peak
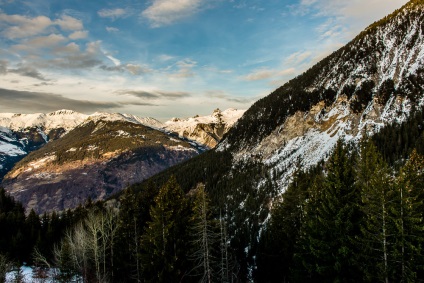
x=66, y=119
x=207, y=129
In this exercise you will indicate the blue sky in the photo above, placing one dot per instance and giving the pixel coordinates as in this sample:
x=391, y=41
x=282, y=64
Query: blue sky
x=166, y=58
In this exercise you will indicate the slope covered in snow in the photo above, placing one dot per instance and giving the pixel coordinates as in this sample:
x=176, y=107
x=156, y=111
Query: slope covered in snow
x=66, y=119
x=207, y=130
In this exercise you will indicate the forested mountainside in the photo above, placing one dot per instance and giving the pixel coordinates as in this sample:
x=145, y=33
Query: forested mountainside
x=373, y=82
x=321, y=181
x=94, y=160
x=163, y=232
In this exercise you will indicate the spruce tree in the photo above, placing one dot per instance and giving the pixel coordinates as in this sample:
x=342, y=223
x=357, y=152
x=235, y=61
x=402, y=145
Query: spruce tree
x=409, y=220
x=327, y=245
x=165, y=241
x=377, y=204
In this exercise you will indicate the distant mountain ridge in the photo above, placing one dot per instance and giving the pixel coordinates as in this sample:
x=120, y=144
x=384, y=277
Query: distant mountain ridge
x=48, y=158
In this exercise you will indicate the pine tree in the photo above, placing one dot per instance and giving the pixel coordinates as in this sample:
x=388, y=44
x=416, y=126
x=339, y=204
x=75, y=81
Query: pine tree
x=164, y=243
x=409, y=220
x=331, y=224
x=5, y=266
x=377, y=205
x=275, y=257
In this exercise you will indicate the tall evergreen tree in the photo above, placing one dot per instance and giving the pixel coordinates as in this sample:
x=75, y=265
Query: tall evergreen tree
x=165, y=241
x=332, y=223
x=409, y=220
x=377, y=204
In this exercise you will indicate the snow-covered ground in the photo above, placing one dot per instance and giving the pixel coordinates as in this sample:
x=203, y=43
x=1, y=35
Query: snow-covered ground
x=27, y=276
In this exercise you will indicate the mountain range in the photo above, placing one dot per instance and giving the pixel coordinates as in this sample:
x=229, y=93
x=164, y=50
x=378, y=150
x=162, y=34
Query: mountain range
x=58, y=160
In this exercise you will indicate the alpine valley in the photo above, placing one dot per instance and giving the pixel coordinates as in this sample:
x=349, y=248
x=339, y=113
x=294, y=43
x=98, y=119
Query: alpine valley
x=63, y=158
x=320, y=181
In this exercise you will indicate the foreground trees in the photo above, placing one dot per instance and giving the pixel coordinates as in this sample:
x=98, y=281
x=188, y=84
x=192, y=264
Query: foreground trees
x=353, y=220
x=165, y=242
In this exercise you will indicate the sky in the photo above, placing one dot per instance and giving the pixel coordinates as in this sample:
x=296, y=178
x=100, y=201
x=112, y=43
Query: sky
x=166, y=58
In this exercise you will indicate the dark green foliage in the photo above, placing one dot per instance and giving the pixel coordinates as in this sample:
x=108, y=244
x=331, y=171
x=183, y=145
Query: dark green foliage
x=331, y=225
x=164, y=243
x=409, y=224
x=275, y=255
x=21, y=233
x=134, y=213
x=377, y=204
x=396, y=141
x=358, y=222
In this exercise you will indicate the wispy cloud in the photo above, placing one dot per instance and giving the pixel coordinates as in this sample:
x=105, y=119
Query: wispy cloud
x=224, y=96
x=264, y=74
x=133, y=69
x=297, y=58
x=18, y=26
x=114, y=13
x=349, y=14
x=154, y=94
x=15, y=101
x=69, y=23
x=26, y=71
x=166, y=12
x=165, y=57
x=184, y=69
x=112, y=29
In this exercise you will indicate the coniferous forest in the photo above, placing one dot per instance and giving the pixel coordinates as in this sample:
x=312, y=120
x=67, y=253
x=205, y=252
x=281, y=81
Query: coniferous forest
x=356, y=217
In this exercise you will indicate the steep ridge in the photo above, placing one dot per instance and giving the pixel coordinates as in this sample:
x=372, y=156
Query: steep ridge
x=375, y=80
x=98, y=158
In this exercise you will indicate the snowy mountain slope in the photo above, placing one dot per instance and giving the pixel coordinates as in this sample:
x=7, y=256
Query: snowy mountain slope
x=383, y=62
x=66, y=119
x=375, y=80
x=206, y=130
